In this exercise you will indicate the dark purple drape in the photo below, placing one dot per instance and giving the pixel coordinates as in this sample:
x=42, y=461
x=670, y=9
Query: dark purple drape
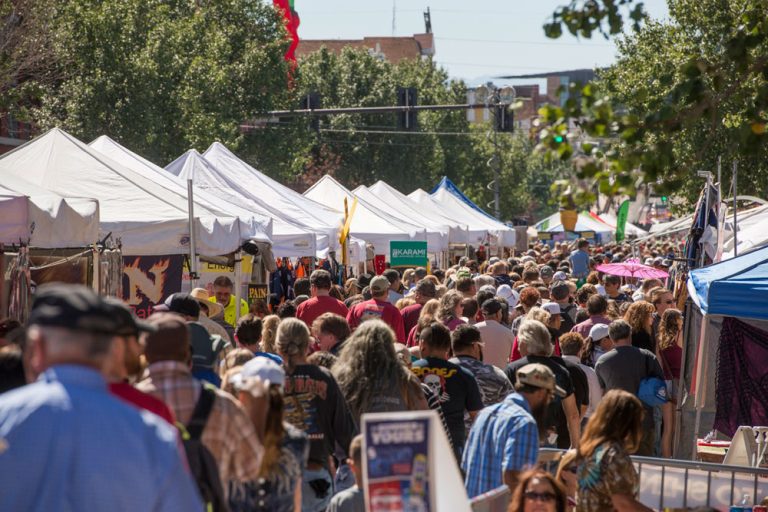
x=742, y=377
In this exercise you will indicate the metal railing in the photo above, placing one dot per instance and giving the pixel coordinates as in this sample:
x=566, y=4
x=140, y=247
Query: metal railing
x=665, y=483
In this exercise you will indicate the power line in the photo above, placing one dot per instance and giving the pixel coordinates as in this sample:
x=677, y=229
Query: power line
x=390, y=132
x=511, y=41
x=496, y=66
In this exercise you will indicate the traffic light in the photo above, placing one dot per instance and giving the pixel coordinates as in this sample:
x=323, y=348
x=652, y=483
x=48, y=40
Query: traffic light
x=504, y=118
x=559, y=139
x=406, y=97
x=311, y=101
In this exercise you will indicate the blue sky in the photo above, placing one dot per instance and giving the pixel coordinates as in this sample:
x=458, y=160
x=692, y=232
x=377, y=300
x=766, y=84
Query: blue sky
x=474, y=40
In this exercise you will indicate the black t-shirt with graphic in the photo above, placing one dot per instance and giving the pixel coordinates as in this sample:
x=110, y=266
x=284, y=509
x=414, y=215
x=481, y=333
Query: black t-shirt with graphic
x=456, y=389
x=555, y=418
x=314, y=404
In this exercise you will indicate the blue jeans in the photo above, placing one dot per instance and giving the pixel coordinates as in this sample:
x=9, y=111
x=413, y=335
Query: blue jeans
x=311, y=499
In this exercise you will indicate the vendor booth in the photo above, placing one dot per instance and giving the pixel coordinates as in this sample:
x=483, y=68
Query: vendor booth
x=726, y=349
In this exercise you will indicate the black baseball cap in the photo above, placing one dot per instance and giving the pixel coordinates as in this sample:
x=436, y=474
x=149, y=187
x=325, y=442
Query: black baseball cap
x=72, y=306
x=183, y=304
x=128, y=324
x=491, y=307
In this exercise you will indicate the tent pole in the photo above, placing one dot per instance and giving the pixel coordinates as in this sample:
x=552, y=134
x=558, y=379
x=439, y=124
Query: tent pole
x=192, y=236
x=735, y=225
x=238, y=283
x=699, y=380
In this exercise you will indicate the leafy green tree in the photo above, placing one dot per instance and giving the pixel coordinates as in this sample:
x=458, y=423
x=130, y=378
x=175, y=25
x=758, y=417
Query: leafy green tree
x=694, y=88
x=162, y=76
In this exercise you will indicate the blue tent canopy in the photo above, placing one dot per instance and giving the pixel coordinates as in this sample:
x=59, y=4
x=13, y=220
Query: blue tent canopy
x=737, y=287
x=453, y=189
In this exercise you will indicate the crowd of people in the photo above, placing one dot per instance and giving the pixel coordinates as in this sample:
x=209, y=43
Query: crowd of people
x=196, y=407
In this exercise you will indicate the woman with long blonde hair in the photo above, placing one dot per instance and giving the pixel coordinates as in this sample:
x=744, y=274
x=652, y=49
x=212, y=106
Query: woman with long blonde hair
x=426, y=317
x=607, y=478
x=268, y=333
x=258, y=385
x=315, y=405
x=639, y=316
x=670, y=348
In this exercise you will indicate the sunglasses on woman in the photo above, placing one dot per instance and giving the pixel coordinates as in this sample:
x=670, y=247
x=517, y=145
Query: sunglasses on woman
x=540, y=496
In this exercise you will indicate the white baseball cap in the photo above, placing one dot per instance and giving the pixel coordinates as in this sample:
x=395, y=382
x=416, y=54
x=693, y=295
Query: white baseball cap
x=598, y=332
x=507, y=293
x=261, y=367
x=553, y=308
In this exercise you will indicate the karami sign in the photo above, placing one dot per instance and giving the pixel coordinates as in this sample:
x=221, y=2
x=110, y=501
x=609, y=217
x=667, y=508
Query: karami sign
x=408, y=254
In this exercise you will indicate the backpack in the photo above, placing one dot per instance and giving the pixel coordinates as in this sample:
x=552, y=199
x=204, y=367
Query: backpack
x=201, y=462
x=653, y=391
x=567, y=322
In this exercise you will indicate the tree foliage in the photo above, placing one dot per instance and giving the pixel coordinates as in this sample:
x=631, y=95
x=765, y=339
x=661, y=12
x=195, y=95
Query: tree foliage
x=162, y=76
x=683, y=93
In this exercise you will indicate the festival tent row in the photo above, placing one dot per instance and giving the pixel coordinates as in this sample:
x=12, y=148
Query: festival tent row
x=726, y=348
x=147, y=218
x=473, y=233
x=369, y=223
x=32, y=215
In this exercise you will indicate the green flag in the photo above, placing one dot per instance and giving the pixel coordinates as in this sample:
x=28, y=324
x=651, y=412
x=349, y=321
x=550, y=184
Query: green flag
x=621, y=220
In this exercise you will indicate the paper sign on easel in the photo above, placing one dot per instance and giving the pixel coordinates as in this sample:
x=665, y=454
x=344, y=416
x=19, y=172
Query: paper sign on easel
x=405, y=454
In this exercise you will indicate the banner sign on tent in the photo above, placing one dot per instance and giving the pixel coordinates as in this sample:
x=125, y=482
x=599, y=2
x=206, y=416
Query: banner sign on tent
x=408, y=254
x=257, y=292
x=149, y=280
x=208, y=273
x=397, y=464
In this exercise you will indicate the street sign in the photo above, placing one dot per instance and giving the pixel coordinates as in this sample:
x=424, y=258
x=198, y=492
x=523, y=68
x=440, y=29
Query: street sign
x=408, y=254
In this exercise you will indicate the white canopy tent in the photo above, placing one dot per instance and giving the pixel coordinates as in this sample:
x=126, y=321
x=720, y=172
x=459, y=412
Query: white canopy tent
x=369, y=223
x=147, y=218
x=504, y=234
x=289, y=239
x=437, y=234
x=456, y=232
x=250, y=222
x=253, y=184
x=471, y=232
x=33, y=215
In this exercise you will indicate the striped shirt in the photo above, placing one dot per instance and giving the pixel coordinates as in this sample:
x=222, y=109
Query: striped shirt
x=503, y=438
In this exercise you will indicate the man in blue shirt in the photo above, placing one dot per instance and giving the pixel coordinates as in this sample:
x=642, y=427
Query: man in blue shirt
x=580, y=259
x=66, y=443
x=505, y=437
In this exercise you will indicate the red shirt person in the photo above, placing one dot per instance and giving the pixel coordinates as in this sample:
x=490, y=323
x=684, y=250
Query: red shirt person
x=321, y=302
x=378, y=307
x=424, y=291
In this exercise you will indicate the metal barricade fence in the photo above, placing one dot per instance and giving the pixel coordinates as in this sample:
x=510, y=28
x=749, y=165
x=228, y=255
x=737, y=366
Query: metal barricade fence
x=671, y=483
x=665, y=484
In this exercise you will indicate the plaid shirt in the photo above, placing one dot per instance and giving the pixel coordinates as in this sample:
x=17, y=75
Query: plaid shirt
x=503, y=438
x=229, y=434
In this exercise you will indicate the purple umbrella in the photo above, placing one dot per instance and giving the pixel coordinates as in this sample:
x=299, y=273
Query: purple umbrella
x=632, y=268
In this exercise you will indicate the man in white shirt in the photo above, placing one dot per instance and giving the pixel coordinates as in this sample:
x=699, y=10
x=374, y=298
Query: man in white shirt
x=497, y=338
